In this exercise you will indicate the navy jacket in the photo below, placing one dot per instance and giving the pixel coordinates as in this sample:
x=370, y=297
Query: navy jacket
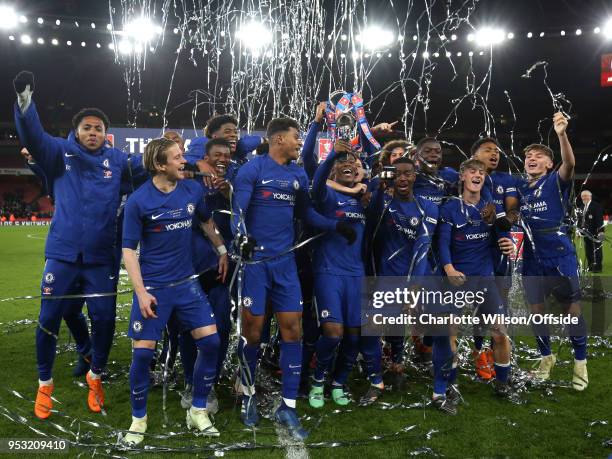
x=86, y=189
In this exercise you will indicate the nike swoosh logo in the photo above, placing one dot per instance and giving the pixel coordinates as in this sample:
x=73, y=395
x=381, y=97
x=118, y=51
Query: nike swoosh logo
x=342, y=203
x=295, y=366
x=68, y=156
x=392, y=210
x=265, y=182
x=111, y=277
x=155, y=217
x=139, y=392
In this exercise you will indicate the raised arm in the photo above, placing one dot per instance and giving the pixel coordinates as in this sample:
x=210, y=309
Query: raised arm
x=309, y=158
x=46, y=150
x=568, y=161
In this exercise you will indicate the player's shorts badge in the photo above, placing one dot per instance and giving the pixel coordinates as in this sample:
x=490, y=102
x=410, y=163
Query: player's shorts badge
x=49, y=278
x=324, y=314
x=137, y=326
x=247, y=301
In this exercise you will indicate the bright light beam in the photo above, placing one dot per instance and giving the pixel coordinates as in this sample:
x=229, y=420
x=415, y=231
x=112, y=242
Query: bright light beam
x=607, y=29
x=374, y=38
x=141, y=30
x=254, y=35
x=489, y=36
x=8, y=18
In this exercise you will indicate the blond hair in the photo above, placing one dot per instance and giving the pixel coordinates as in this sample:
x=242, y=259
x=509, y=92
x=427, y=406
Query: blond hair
x=155, y=154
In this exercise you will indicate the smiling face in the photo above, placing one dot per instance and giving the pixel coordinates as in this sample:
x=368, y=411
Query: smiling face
x=290, y=143
x=228, y=132
x=346, y=170
x=488, y=153
x=219, y=157
x=431, y=154
x=405, y=175
x=91, y=133
x=174, y=166
x=473, y=179
x=537, y=163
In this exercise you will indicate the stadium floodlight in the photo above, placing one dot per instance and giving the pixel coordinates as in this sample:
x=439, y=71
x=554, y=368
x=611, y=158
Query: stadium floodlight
x=141, y=30
x=607, y=29
x=254, y=35
x=375, y=37
x=55, y=42
x=425, y=54
x=40, y=41
x=26, y=39
x=510, y=36
x=8, y=18
x=489, y=36
x=578, y=31
x=125, y=47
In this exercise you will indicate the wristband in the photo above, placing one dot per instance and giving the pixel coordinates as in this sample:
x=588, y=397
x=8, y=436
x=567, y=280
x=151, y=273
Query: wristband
x=221, y=250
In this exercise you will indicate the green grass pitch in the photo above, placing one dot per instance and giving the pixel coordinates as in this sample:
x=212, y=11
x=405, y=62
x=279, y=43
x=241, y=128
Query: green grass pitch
x=552, y=423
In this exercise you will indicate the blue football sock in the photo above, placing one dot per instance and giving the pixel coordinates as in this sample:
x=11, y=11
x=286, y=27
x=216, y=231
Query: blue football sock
x=542, y=335
x=219, y=300
x=578, y=338
x=247, y=356
x=49, y=322
x=102, y=333
x=291, y=369
x=139, y=380
x=442, y=359
x=308, y=350
x=397, y=348
x=189, y=353
x=325, y=350
x=452, y=375
x=77, y=324
x=347, y=356
x=371, y=349
x=502, y=371
x=205, y=368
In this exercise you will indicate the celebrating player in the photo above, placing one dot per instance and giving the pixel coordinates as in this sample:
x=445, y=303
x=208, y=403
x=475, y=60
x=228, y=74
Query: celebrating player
x=338, y=268
x=406, y=224
x=549, y=257
x=86, y=176
x=500, y=187
x=159, y=216
x=267, y=191
x=464, y=241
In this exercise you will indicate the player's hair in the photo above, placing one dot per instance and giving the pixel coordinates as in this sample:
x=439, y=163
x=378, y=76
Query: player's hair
x=215, y=123
x=472, y=164
x=155, y=154
x=169, y=134
x=76, y=119
x=538, y=146
x=405, y=160
x=476, y=145
x=385, y=154
x=423, y=141
x=280, y=125
x=216, y=142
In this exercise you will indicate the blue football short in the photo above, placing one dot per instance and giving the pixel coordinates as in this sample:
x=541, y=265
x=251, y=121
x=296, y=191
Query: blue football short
x=188, y=302
x=556, y=276
x=275, y=281
x=338, y=299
